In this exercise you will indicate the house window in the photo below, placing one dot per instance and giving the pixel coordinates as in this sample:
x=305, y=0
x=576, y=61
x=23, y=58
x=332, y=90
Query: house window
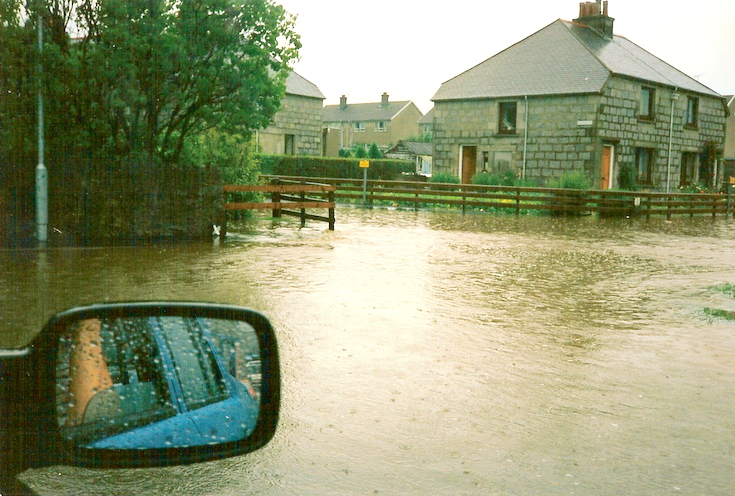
x=644, y=160
x=289, y=146
x=381, y=126
x=692, y=112
x=359, y=127
x=507, y=118
x=648, y=102
x=689, y=168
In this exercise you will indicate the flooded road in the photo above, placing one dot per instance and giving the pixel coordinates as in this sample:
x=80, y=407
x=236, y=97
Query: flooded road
x=436, y=353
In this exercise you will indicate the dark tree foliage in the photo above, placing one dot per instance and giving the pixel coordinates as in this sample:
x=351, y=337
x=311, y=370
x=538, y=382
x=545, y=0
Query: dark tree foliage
x=131, y=89
x=138, y=78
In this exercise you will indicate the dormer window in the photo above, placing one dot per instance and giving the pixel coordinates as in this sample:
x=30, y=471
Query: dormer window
x=648, y=103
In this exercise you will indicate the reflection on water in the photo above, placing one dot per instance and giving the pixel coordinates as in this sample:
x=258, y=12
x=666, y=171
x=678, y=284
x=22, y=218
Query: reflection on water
x=436, y=353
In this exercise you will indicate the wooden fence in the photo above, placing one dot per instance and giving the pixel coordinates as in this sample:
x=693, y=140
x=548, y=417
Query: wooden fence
x=284, y=200
x=518, y=199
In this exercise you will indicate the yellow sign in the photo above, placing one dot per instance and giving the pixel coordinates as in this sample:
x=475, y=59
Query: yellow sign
x=364, y=164
x=732, y=180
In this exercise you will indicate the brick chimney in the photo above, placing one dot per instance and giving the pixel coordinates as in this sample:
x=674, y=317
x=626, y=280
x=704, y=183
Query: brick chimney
x=384, y=100
x=594, y=15
x=343, y=102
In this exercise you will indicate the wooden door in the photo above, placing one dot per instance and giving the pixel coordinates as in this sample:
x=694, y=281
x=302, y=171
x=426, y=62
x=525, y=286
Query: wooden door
x=469, y=163
x=607, y=156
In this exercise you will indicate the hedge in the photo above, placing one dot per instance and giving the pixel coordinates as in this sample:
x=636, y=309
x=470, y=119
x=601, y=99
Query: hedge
x=290, y=165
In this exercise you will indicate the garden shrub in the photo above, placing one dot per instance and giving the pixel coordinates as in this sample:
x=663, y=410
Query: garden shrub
x=627, y=180
x=445, y=178
x=570, y=180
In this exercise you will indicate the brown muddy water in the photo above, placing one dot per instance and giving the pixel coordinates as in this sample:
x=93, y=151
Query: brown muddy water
x=435, y=353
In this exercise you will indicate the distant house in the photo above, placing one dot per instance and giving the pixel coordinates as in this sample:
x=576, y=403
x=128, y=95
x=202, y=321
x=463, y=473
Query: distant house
x=297, y=127
x=426, y=123
x=574, y=97
x=729, y=154
x=417, y=152
x=382, y=123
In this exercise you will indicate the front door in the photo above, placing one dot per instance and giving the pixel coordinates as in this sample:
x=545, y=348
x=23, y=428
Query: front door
x=607, y=167
x=469, y=163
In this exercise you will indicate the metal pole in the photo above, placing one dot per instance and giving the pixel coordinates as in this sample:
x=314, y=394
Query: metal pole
x=525, y=140
x=41, y=172
x=674, y=97
x=364, y=185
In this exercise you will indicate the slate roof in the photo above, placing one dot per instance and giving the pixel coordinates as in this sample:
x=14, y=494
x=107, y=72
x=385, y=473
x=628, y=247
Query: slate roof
x=563, y=58
x=300, y=86
x=363, y=112
x=428, y=118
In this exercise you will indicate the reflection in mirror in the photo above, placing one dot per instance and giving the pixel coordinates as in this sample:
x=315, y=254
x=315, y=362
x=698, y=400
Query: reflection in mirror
x=157, y=382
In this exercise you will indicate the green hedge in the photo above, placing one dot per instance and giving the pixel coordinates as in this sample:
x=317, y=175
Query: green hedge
x=289, y=165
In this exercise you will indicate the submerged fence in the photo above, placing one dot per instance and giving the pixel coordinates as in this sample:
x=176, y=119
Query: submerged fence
x=287, y=198
x=518, y=199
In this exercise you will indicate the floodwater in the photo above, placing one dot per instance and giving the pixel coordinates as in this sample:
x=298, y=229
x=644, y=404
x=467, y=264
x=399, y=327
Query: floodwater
x=435, y=353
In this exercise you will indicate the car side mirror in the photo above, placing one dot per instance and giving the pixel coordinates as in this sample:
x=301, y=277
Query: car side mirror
x=150, y=384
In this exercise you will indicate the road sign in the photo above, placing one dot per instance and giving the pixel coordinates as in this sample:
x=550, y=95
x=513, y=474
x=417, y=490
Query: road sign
x=364, y=164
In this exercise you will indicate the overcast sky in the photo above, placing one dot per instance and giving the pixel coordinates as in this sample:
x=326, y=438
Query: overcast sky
x=408, y=48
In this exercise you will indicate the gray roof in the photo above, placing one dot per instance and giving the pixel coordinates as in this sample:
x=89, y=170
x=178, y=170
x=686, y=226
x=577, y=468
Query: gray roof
x=363, y=111
x=428, y=118
x=414, y=147
x=563, y=58
x=300, y=86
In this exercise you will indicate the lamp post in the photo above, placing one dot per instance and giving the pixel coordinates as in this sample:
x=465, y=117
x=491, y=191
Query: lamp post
x=41, y=172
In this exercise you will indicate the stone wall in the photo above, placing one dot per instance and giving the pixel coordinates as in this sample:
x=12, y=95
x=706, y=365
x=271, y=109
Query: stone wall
x=299, y=116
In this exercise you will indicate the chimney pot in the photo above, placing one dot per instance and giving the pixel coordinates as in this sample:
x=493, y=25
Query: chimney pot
x=384, y=99
x=343, y=102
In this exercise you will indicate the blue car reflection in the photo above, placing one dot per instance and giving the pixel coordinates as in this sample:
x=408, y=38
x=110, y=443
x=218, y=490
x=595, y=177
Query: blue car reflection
x=157, y=382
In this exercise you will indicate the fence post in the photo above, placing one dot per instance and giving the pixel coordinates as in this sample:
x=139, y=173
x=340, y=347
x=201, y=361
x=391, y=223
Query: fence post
x=518, y=200
x=728, y=190
x=223, y=220
x=330, y=197
x=303, y=210
x=714, y=205
x=464, y=199
x=276, y=198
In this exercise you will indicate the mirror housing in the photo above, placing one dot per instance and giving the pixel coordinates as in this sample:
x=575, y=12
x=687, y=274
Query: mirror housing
x=45, y=425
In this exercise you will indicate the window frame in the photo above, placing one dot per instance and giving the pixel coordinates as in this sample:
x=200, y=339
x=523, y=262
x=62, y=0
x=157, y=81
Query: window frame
x=645, y=177
x=503, y=108
x=359, y=126
x=381, y=126
x=691, y=119
x=647, y=112
x=689, y=163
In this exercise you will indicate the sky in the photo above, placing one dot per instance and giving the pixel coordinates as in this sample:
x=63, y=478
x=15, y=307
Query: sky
x=408, y=48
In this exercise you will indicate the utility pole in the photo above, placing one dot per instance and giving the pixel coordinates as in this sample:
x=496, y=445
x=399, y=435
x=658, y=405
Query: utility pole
x=41, y=172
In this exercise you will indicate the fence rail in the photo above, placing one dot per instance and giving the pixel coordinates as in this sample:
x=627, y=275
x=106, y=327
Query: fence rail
x=284, y=200
x=518, y=199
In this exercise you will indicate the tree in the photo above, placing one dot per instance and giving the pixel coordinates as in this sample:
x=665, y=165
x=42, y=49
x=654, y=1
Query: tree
x=374, y=152
x=143, y=76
